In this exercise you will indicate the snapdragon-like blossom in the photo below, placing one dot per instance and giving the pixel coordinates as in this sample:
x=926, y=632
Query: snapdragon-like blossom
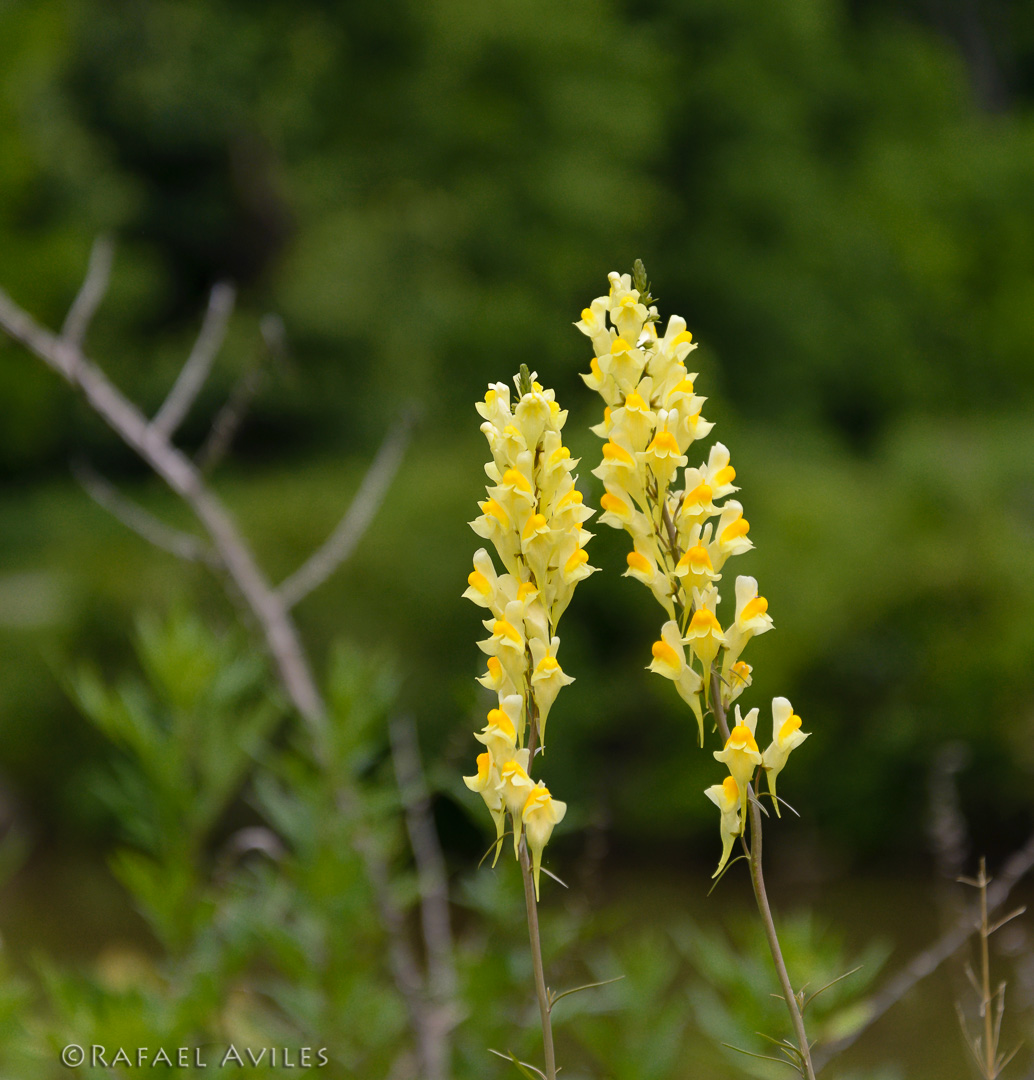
x=683, y=525
x=533, y=516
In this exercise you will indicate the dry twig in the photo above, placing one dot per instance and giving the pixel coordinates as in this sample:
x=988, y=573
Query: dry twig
x=989, y=1059
x=929, y=960
x=195, y=371
x=181, y=544
x=91, y=293
x=433, y=886
x=353, y=525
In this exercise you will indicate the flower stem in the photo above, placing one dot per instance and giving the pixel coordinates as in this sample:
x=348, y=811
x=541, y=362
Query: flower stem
x=989, y=1062
x=541, y=992
x=757, y=878
x=536, y=961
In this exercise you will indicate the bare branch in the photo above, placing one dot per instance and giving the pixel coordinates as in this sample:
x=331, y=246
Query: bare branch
x=433, y=887
x=181, y=544
x=91, y=293
x=927, y=962
x=425, y=1020
x=228, y=420
x=126, y=420
x=346, y=536
x=56, y=353
x=194, y=372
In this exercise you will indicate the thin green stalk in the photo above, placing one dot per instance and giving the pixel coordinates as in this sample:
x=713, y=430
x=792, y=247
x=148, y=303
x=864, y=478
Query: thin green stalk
x=541, y=992
x=536, y=961
x=985, y=971
x=757, y=878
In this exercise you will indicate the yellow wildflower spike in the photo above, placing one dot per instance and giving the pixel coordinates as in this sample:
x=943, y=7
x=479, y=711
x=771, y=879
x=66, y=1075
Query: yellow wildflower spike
x=533, y=515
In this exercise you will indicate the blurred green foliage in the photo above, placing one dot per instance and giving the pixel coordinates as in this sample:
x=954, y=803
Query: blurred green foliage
x=261, y=937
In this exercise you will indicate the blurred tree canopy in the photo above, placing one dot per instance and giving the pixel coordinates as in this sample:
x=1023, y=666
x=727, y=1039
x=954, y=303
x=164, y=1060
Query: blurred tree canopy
x=837, y=198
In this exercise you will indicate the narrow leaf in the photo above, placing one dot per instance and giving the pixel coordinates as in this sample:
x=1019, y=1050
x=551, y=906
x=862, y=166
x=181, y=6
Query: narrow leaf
x=588, y=986
x=522, y=1066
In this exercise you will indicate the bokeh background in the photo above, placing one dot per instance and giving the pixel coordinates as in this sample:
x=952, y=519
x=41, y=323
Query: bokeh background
x=837, y=196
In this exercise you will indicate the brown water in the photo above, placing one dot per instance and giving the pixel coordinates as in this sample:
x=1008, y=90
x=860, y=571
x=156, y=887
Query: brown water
x=69, y=907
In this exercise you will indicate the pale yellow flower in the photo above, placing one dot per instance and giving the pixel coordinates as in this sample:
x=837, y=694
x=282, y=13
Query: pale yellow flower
x=626, y=312
x=507, y=641
x=515, y=784
x=704, y=635
x=697, y=502
x=642, y=565
x=619, y=469
x=496, y=525
x=731, y=533
x=547, y=679
x=619, y=512
x=741, y=755
x=726, y=796
x=500, y=735
x=752, y=619
x=632, y=422
x=669, y=660
x=496, y=679
x=593, y=324
x=663, y=456
x=696, y=569
x=624, y=363
x=786, y=736
x=718, y=473
x=735, y=681
x=541, y=813
x=487, y=783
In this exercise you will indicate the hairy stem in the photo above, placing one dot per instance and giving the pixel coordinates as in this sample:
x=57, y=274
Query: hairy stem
x=757, y=879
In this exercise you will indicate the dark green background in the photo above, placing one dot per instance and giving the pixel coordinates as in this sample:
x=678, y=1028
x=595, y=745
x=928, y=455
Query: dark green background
x=837, y=197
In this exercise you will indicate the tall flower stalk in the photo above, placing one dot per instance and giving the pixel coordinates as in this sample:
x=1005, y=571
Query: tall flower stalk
x=682, y=538
x=533, y=517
